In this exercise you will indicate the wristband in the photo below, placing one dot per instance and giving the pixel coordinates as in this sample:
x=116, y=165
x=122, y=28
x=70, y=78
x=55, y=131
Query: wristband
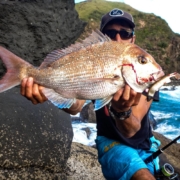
x=119, y=115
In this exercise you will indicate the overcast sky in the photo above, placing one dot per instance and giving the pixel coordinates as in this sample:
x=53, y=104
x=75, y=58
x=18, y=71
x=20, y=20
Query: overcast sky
x=167, y=10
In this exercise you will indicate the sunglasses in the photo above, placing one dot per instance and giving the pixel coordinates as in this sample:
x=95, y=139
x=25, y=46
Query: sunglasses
x=124, y=34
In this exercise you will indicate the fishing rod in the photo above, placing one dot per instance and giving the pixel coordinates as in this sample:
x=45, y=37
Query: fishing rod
x=158, y=152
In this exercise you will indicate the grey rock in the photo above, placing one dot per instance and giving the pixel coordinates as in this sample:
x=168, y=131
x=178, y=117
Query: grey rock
x=87, y=130
x=88, y=114
x=170, y=155
x=35, y=139
x=32, y=29
x=153, y=122
x=83, y=164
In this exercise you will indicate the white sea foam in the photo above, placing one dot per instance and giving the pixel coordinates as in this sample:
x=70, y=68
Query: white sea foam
x=81, y=135
x=77, y=115
x=158, y=115
x=168, y=131
x=175, y=94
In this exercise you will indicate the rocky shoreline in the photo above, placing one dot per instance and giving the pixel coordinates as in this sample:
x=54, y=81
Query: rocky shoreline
x=36, y=141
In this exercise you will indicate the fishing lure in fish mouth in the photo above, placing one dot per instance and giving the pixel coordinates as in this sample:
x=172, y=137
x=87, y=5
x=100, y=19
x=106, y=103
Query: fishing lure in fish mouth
x=152, y=78
x=158, y=84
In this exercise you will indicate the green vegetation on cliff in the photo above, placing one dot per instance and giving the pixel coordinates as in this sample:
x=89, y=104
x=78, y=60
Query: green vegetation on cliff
x=152, y=33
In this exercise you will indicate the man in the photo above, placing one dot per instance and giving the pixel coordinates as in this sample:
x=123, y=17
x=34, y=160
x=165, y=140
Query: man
x=124, y=137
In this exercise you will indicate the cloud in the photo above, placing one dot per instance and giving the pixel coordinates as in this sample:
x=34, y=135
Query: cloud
x=167, y=10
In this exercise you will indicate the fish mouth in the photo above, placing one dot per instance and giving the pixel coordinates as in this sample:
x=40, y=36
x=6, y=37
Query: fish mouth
x=156, y=76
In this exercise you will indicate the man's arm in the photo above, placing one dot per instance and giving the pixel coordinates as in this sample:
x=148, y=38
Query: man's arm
x=123, y=100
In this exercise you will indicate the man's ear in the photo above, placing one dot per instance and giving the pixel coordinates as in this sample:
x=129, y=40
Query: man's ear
x=133, y=39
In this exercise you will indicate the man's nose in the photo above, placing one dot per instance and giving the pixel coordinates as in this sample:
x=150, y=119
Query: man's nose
x=118, y=38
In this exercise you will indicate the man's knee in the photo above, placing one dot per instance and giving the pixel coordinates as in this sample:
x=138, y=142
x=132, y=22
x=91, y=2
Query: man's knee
x=143, y=174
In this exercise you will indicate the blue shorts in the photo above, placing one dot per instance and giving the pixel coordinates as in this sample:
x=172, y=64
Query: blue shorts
x=120, y=162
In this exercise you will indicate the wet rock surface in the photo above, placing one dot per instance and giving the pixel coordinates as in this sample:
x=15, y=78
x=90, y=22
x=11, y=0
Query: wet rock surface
x=170, y=155
x=35, y=139
x=83, y=164
x=88, y=114
x=32, y=29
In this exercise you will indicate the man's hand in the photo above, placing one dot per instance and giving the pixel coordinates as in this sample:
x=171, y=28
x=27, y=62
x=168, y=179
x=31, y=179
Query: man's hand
x=32, y=91
x=125, y=98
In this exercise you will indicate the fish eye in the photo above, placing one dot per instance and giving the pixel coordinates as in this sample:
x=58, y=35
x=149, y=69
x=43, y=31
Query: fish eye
x=142, y=60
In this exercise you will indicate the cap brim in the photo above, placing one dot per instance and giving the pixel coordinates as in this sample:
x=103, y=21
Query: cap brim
x=113, y=18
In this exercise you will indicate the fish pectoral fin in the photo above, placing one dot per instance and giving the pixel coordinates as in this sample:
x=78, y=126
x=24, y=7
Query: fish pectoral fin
x=99, y=103
x=57, y=99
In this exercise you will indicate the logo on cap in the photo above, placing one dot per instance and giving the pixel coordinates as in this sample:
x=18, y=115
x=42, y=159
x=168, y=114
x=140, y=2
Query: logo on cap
x=116, y=12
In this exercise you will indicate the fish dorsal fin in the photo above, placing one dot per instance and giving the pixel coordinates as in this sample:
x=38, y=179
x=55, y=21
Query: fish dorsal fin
x=51, y=57
x=57, y=99
x=99, y=103
x=95, y=37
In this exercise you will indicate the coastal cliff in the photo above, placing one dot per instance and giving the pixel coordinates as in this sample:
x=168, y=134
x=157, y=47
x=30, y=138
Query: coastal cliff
x=36, y=141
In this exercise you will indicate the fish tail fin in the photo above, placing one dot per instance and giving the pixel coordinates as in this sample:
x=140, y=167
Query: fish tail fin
x=13, y=64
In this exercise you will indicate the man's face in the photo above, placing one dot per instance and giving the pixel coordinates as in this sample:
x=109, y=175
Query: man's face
x=120, y=33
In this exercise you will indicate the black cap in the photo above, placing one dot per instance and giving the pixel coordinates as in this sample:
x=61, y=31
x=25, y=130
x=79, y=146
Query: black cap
x=116, y=14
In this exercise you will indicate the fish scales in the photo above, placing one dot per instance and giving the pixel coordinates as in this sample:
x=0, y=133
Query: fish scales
x=78, y=73
x=94, y=69
x=95, y=66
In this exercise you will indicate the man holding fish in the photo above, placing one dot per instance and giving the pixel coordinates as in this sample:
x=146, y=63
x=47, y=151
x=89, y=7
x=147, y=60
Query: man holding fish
x=123, y=130
x=124, y=136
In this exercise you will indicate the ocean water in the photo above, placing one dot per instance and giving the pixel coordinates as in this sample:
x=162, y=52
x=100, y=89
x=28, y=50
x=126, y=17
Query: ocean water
x=166, y=112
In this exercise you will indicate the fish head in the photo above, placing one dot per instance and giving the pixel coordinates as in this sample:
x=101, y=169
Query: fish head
x=140, y=70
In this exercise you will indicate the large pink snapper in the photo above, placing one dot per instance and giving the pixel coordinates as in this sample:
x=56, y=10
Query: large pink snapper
x=92, y=70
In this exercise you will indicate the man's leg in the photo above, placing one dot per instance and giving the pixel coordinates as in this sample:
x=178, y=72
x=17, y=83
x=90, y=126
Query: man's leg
x=153, y=166
x=120, y=162
x=143, y=174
